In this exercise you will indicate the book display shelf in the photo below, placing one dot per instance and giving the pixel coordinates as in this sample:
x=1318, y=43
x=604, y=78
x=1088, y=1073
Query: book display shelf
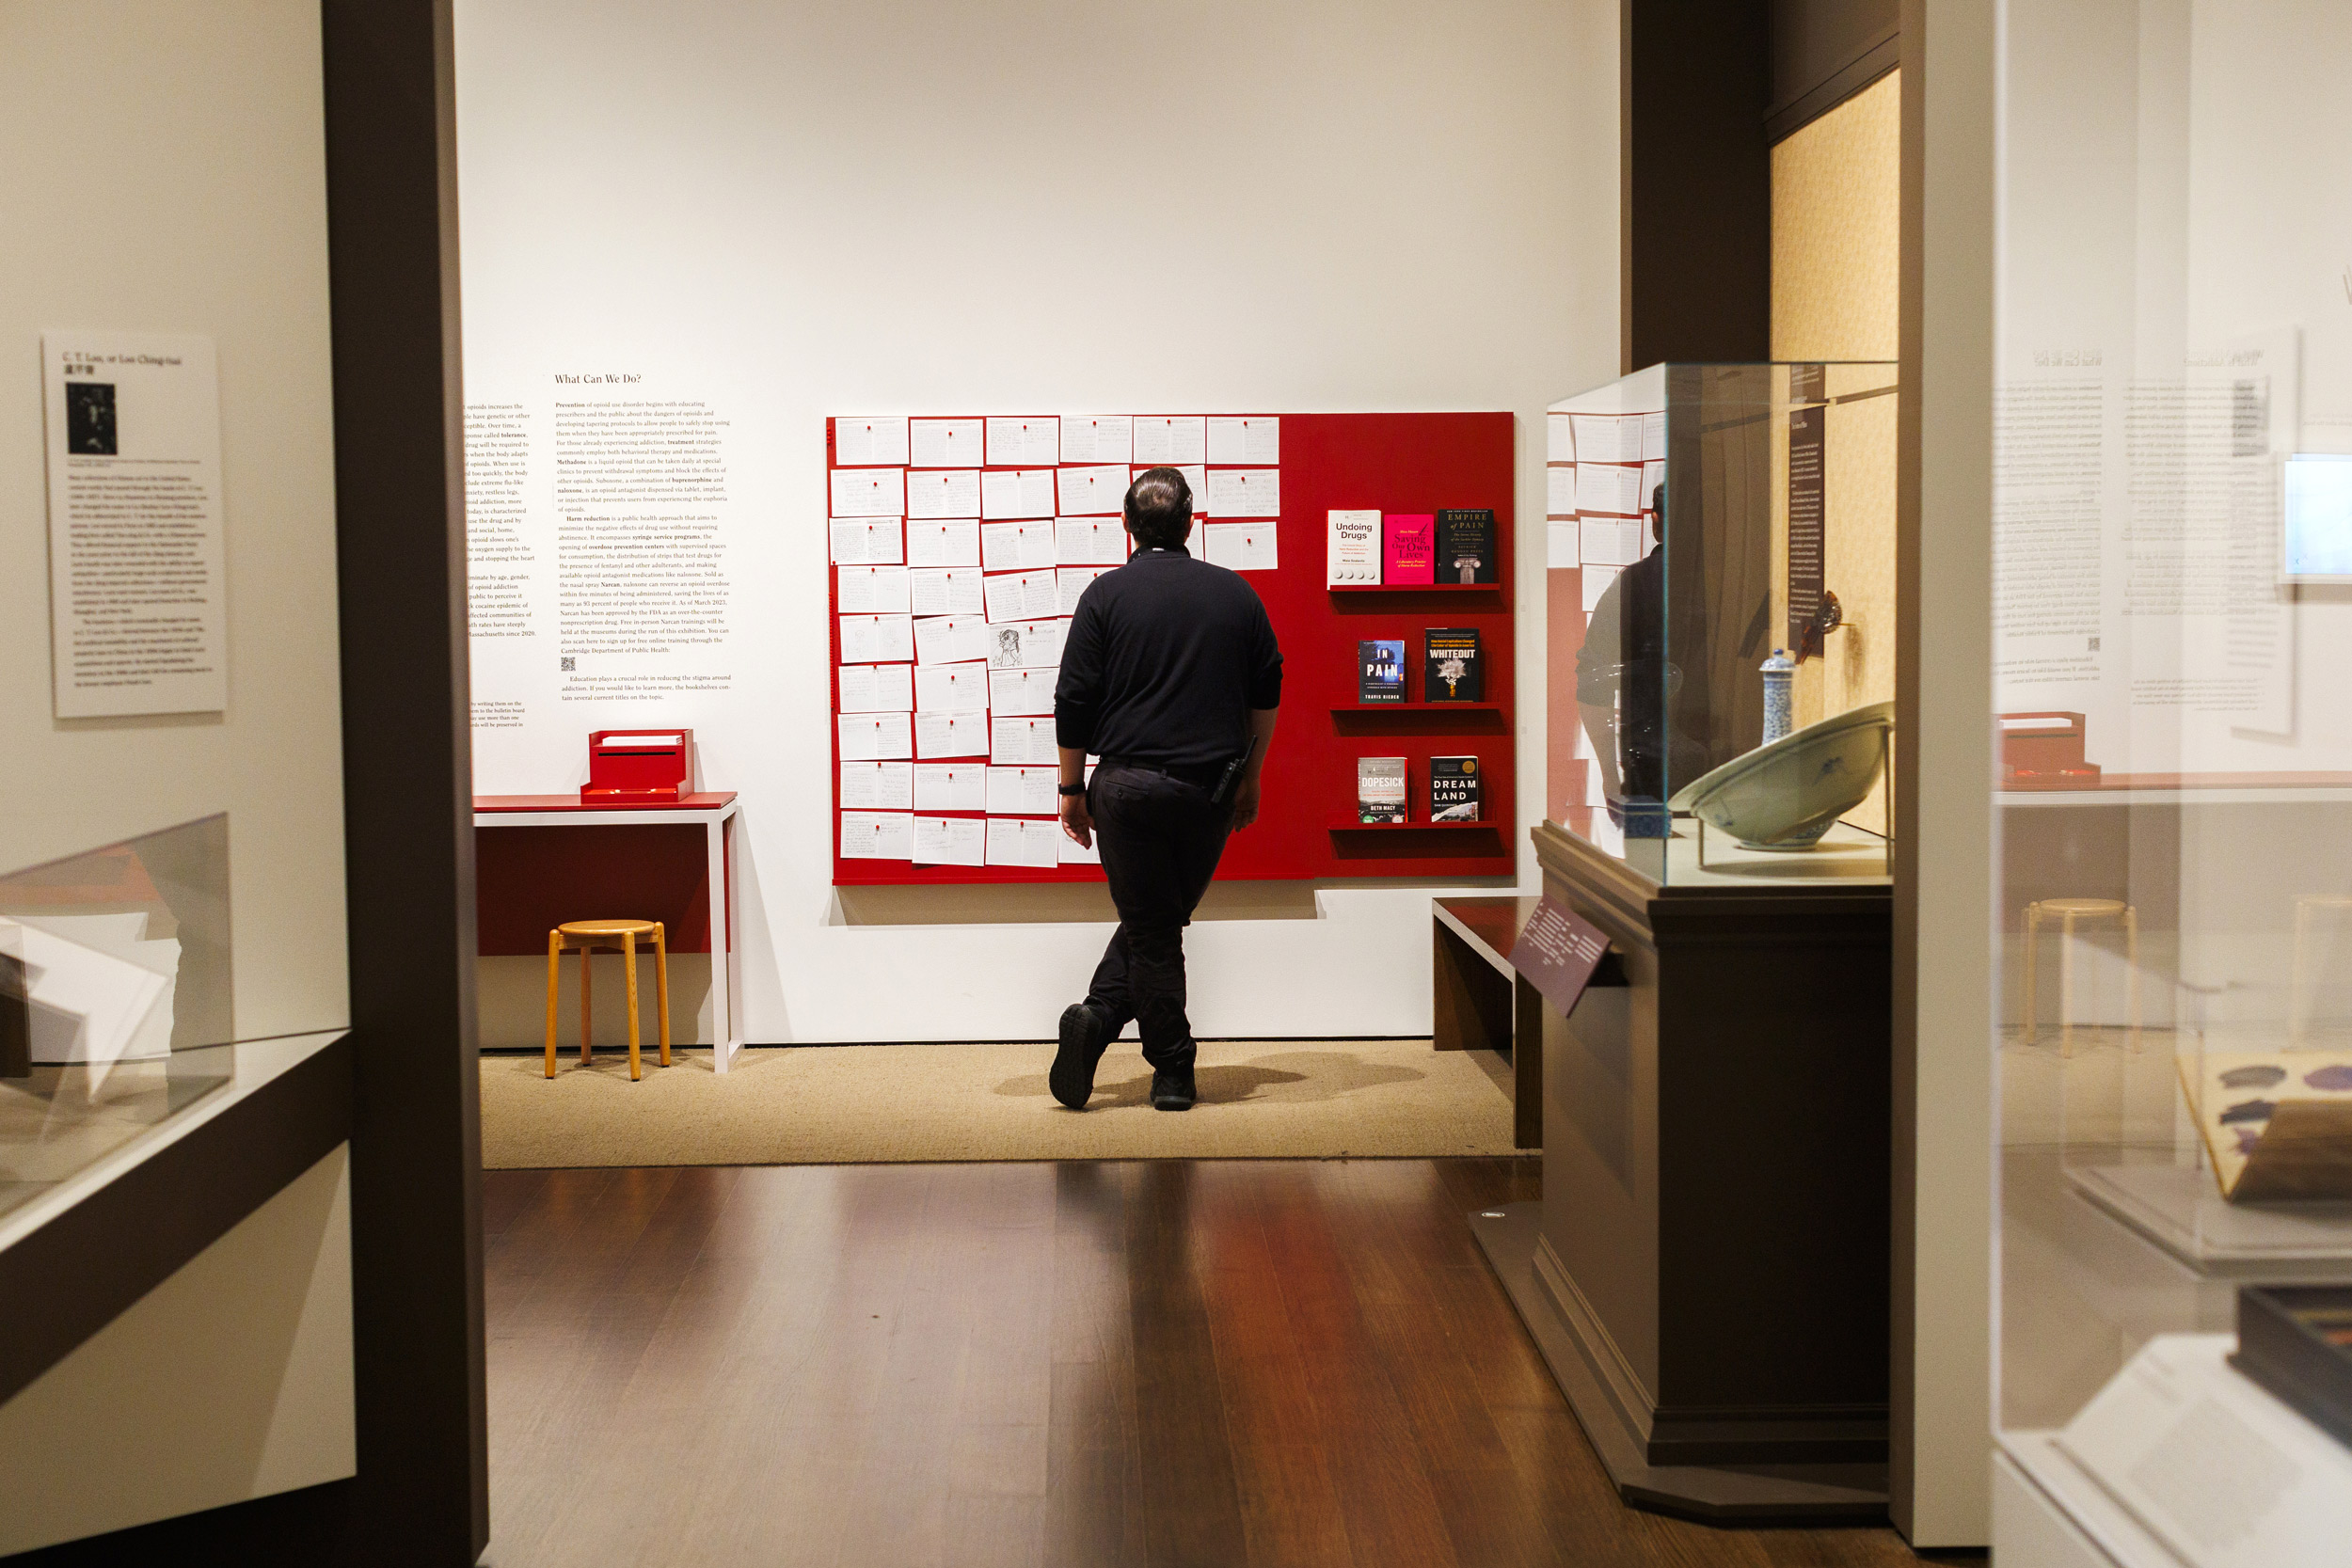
x=1314, y=464
x=1416, y=587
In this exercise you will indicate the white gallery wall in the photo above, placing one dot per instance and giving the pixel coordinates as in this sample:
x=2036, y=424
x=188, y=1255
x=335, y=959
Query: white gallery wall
x=2170, y=228
x=781, y=213
x=2174, y=250
x=167, y=174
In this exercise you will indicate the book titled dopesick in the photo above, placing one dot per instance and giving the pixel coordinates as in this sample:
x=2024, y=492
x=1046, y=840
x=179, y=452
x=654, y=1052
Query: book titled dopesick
x=1379, y=789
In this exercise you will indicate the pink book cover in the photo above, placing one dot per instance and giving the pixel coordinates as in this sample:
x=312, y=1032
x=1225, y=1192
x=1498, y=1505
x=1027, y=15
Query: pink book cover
x=1409, y=547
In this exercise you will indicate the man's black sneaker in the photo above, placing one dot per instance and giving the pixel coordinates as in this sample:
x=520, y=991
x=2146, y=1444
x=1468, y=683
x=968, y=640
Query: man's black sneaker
x=1071, y=1078
x=1172, y=1089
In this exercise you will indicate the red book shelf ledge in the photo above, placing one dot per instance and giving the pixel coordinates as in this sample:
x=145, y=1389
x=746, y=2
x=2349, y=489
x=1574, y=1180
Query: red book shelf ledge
x=1416, y=708
x=1349, y=825
x=1416, y=587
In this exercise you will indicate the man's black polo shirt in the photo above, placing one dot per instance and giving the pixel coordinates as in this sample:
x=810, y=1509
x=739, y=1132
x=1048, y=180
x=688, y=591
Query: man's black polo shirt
x=1165, y=658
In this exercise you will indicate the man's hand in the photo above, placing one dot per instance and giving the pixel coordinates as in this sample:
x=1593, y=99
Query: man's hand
x=1253, y=767
x=1077, y=821
x=1244, y=803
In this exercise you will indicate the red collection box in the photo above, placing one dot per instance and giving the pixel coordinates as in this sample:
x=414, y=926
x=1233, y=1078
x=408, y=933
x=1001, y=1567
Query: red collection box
x=2044, y=750
x=627, y=767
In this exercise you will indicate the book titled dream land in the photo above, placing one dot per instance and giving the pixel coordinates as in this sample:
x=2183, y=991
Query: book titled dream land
x=1379, y=789
x=1455, y=793
x=1466, y=545
x=1451, y=672
x=1380, y=671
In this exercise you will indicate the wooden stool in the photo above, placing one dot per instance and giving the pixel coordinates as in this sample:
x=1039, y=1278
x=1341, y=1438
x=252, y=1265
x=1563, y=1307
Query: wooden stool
x=2068, y=912
x=611, y=936
x=2298, y=982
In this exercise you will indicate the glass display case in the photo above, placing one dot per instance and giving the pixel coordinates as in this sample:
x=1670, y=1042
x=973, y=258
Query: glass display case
x=1720, y=584
x=1714, y=1225
x=115, y=1007
x=2174, y=803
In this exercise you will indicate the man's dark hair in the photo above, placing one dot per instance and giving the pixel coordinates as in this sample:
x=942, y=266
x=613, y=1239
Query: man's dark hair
x=1159, y=509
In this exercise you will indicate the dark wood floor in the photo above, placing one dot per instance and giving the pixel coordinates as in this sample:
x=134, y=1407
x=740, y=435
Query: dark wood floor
x=1222, y=1363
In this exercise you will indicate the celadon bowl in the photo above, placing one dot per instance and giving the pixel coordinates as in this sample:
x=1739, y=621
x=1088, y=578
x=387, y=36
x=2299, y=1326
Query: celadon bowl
x=1787, y=795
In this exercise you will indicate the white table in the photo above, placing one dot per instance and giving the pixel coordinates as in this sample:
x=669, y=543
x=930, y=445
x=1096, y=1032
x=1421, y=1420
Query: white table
x=715, y=813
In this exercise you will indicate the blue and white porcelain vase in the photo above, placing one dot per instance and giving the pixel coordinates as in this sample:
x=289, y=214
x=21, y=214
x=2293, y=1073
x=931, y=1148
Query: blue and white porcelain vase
x=1780, y=674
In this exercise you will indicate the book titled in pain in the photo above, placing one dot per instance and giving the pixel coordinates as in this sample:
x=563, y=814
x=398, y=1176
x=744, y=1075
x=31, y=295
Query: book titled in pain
x=1379, y=789
x=1380, y=671
x=1454, y=795
x=1451, y=670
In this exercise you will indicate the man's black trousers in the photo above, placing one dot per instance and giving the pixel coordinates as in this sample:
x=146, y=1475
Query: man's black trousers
x=1160, y=839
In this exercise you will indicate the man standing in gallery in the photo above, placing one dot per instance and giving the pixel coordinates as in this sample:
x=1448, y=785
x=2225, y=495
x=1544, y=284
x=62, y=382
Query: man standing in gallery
x=1170, y=676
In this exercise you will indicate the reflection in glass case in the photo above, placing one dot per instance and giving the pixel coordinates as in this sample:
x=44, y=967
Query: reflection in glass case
x=1722, y=635
x=2175, y=1061
x=2174, y=793
x=115, y=999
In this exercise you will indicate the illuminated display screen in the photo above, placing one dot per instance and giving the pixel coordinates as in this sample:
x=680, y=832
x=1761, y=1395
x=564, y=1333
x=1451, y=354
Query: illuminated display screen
x=2318, y=542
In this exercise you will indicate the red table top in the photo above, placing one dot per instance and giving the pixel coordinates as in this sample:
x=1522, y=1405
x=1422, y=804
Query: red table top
x=702, y=801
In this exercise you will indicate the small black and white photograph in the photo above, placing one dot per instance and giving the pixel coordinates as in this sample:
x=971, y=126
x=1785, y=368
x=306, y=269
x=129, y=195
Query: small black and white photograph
x=1006, y=654
x=89, y=418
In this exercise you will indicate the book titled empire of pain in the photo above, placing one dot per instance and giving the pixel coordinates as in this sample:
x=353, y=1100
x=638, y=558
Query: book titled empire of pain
x=1379, y=789
x=1451, y=670
x=1466, y=545
x=1454, y=795
x=1380, y=671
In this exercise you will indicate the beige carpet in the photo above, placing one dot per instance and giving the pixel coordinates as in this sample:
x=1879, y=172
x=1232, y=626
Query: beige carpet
x=859, y=1103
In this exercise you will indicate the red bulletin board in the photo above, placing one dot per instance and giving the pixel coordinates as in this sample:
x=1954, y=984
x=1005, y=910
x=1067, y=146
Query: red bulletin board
x=1408, y=462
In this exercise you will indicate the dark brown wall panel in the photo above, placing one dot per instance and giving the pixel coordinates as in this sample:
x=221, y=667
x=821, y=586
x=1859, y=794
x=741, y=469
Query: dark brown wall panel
x=1823, y=52
x=421, y=1494
x=1696, y=191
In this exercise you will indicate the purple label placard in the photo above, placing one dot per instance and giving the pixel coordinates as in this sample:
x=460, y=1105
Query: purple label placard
x=1807, y=525
x=1558, y=952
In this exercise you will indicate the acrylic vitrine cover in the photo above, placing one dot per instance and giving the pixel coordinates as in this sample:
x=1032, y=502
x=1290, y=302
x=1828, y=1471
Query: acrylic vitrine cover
x=1703, y=517
x=116, y=999
x=2169, y=789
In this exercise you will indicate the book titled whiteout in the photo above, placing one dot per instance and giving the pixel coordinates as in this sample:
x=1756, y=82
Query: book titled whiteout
x=1351, y=558
x=1379, y=789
